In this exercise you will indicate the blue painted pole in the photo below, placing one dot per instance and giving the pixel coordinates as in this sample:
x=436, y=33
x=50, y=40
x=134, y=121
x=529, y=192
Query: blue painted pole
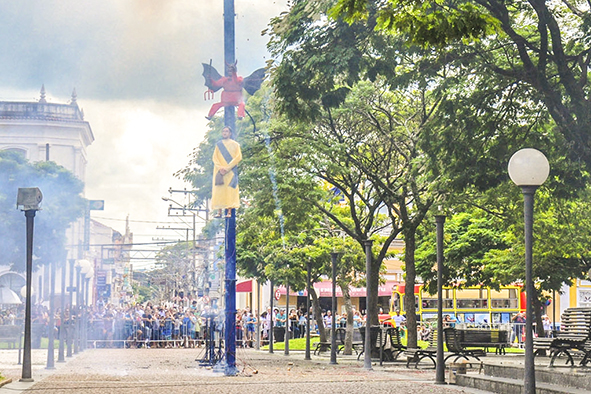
x=229, y=57
x=230, y=333
x=230, y=241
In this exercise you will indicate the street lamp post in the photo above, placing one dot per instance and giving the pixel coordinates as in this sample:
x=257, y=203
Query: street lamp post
x=78, y=301
x=308, y=280
x=83, y=267
x=287, y=322
x=29, y=199
x=528, y=169
x=440, y=373
x=62, y=333
x=71, y=332
x=272, y=294
x=368, y=262
x=50, y=334
x=333, y=340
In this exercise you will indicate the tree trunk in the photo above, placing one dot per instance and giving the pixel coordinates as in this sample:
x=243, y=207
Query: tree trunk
x=409, y=291
x=349, y=329
x=318, y=315
x=372, y=302
x=538, y=311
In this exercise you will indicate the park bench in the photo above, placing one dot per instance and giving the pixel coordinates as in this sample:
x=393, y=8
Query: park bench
x=465, y=343
x=416, y=355
x=341, y=336
x=323, y=346
x=390, y=342
x=574, y=335
x=11, y=334
x=396, y=346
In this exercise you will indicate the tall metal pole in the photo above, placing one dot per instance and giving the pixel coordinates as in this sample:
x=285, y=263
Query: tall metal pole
x=368, y=261
x=77, y=321
x=26, y=372
x=230, y=332
x=440, y=373
x=71, y=330
x=51, y=329
x=307, y=356
x=287, y=322
x=528, y=213
x=333, y=339
x=60, y=352
x=229, y=57
x=258, y=316
x=87, y=301
x=230, y=120
x=272, y=292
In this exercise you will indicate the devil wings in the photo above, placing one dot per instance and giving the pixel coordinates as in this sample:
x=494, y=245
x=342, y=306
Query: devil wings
x=251, y=84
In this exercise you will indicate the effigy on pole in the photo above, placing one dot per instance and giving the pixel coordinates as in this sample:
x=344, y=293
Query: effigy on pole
x=227, y=155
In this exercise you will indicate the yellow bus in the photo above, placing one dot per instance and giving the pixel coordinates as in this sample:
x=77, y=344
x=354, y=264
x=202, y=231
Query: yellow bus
x=478, y=305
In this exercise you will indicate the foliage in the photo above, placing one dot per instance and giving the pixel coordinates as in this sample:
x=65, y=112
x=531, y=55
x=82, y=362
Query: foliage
x=509, y=56
x=62, y=204
x=177, y=262
x=487, y=247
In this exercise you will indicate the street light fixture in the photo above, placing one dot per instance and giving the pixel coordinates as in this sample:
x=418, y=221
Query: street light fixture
x=528, y=169
x=440, y=364
x=333, y=341
x=29, y=199
x=82, y=268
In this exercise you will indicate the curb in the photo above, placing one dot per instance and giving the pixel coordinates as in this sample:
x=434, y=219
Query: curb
x=5, y=381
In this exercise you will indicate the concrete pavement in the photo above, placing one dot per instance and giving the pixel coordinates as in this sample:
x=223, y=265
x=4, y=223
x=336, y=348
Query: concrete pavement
x=177, y=371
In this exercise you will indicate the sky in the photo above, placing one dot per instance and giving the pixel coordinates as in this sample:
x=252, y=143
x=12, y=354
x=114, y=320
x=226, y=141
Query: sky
x=136, y=68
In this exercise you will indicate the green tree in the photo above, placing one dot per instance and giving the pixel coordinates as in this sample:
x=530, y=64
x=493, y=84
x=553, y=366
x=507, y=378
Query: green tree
x=178, y=264
x=538, y=47
x=486, y=247
x=62, y=204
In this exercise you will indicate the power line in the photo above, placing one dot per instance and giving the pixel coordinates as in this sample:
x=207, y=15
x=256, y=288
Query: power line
x=133, y=221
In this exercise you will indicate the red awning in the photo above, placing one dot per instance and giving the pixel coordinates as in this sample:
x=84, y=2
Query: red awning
x=324, y=289
x=244, y=287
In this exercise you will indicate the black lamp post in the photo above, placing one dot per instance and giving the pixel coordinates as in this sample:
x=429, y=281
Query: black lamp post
x=287, y=322
x=528, y=169
x=62, y=333
x=440, y=372
x=368, y=261
x=271, y=299
x=333, y=339
x=308, y=280
x=50, y=335
x=78, y=309
x=29, y=199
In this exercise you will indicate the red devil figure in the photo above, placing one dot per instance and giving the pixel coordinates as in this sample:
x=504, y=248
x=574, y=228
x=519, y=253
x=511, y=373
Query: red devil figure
x=232, y=85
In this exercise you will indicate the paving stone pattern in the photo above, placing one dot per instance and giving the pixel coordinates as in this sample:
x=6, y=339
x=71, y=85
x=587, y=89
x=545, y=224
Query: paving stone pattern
x=144, y=371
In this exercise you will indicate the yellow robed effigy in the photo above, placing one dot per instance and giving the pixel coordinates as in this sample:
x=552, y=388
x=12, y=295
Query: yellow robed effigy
x=226, y=156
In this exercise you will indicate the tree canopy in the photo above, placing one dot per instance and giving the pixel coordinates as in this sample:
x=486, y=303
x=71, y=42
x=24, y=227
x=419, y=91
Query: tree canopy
x=62, y=204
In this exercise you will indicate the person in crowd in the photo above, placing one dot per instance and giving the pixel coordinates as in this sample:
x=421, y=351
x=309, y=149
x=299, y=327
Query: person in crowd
x=293, y=323
x=342, y=320
x=302, y=324
x=519, y=326
x=265, y=321
x=250, y=323
x=328, y=319
x=547, y=324
x=280, y=318
x=424, y=332
x=357, y=320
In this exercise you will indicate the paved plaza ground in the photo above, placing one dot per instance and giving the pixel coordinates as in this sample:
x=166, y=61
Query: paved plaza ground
x=177, y=371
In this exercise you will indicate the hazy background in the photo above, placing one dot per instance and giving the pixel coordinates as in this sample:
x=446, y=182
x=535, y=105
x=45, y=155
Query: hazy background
x=136, y=67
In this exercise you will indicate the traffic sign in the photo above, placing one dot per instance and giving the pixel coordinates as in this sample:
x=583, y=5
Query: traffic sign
x=277, y=295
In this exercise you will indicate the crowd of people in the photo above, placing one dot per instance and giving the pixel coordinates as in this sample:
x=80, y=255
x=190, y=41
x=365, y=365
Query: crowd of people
x=188, y=323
